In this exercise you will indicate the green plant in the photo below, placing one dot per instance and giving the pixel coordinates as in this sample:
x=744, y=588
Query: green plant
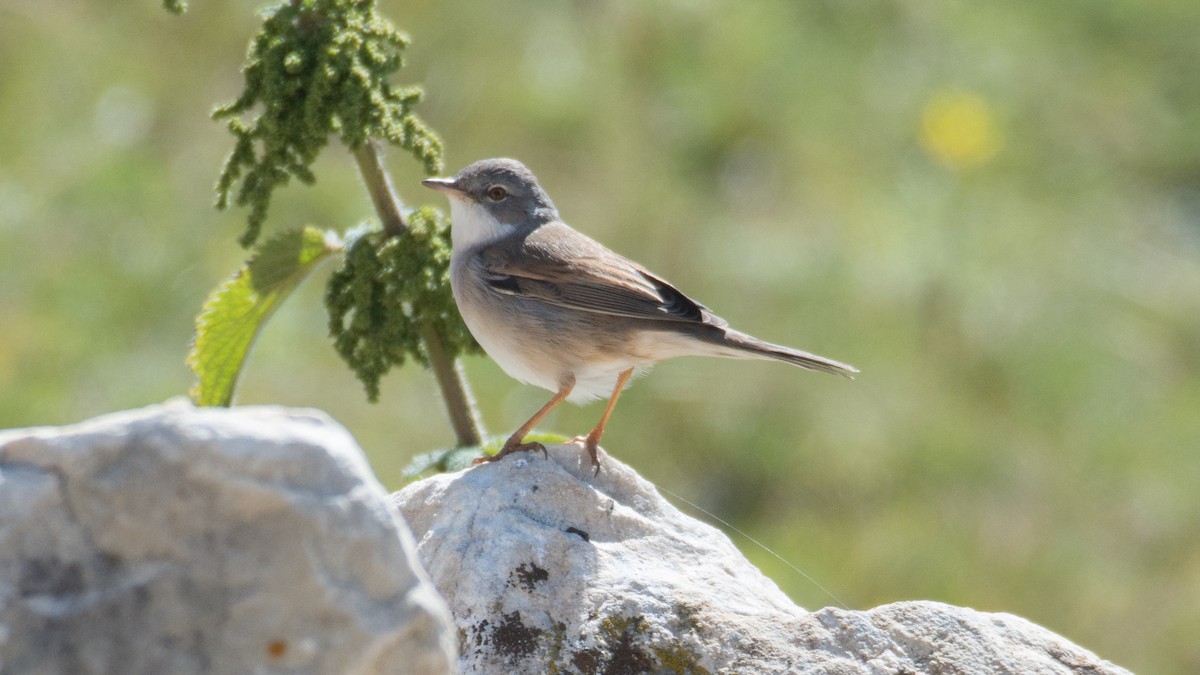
x=318, y=69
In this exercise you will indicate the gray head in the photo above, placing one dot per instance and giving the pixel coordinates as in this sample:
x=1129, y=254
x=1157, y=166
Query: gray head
x=505, y=188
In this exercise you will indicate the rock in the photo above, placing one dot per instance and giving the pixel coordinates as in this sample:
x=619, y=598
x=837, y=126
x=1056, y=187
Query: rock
x=183, y=540
x=549, y=569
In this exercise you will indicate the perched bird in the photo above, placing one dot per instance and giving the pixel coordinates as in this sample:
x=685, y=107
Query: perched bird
x=558, y=310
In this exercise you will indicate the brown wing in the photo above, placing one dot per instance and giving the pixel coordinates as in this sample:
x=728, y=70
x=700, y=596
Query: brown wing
x=559, y=266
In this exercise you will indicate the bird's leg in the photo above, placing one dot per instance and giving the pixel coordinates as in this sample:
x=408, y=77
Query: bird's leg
x=514, y=444
x=592, y=440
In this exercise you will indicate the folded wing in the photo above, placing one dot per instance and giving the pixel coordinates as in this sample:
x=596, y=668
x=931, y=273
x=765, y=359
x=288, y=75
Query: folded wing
x=559, y=266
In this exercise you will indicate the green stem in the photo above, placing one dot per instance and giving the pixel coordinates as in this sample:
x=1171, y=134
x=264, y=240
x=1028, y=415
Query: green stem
x=464, y=416
x=379, y=185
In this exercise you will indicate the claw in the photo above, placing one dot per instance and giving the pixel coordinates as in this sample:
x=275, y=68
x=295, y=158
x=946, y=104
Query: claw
x=591, y=444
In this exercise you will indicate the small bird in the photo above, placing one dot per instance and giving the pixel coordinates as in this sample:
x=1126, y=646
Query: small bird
x=558, y=310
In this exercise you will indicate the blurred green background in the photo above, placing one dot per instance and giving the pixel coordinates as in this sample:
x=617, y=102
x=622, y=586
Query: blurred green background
x=992, y=210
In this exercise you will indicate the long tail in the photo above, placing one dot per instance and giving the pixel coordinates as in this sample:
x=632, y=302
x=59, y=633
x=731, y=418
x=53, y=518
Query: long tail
x=752, y=347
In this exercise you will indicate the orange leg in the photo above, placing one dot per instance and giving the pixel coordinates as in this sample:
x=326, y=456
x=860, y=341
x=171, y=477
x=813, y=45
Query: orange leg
x=593, y=439
x=514, y=444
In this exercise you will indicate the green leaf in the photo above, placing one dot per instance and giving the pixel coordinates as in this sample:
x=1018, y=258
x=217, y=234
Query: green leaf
x=440, y=461
x=457, y=459
x=236, y=311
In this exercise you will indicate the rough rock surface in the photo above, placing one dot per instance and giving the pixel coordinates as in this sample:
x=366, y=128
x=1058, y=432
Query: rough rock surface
x=549, y=569
x=183, y=540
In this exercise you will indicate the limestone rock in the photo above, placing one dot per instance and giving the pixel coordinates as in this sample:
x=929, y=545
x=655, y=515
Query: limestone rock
x=183, y=540
x=549, y=569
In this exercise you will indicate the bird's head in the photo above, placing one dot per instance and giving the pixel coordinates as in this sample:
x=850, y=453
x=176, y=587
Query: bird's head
x=494, y=197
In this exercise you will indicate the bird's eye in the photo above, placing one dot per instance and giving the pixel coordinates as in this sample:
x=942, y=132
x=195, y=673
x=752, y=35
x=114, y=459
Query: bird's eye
x=496, y=193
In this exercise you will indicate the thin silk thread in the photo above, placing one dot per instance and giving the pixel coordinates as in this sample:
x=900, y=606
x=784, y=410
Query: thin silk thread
x=759, y=544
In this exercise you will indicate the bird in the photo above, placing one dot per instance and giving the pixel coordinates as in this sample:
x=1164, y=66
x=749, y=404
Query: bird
x=556, y=309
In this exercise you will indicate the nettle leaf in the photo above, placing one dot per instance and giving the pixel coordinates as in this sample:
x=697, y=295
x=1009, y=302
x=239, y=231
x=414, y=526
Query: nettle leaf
x=456, y=459
x=236, y=311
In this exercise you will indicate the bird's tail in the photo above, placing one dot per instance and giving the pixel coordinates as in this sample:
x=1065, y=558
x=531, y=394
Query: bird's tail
x=747, y=346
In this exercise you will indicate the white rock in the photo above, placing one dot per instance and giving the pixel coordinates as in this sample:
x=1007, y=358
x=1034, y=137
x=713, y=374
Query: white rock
x=549, y=569
x=182, y=540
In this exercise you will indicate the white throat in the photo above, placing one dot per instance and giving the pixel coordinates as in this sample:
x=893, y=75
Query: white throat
x=472, y=224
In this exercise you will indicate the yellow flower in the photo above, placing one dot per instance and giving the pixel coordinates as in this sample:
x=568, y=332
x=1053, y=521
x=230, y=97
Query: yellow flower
x=958, y=130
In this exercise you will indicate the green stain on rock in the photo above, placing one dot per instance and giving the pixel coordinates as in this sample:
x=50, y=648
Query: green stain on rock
x=629, y=654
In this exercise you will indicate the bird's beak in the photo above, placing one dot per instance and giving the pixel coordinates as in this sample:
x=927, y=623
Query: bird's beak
x=446, y=185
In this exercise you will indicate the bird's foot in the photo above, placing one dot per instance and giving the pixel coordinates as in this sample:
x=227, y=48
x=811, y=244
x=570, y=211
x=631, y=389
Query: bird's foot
x=509, y=448
x=592, y=445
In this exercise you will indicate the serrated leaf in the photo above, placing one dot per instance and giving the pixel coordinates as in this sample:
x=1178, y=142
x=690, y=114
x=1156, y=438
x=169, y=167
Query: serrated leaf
x=457, y=459
x=492, y=445
x=235, y=313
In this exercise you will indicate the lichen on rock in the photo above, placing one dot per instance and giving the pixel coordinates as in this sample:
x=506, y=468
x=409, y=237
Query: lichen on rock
x=548, y=568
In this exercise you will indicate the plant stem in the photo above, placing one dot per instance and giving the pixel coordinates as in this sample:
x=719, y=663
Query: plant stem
x=464, y=417
x=379, y=185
